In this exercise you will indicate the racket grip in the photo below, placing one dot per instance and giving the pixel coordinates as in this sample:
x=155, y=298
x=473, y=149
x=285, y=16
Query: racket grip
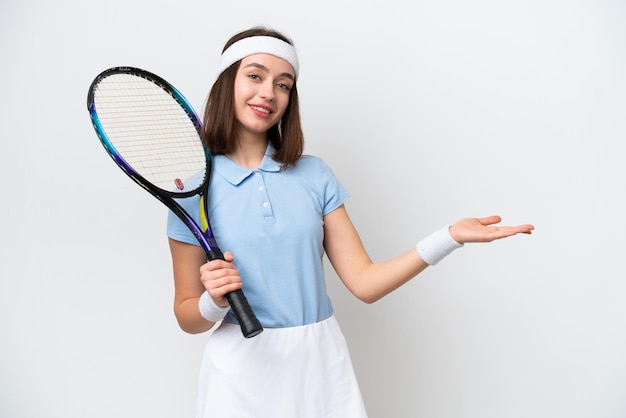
x=250, y=325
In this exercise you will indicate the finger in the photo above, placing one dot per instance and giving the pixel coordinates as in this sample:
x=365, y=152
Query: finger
x=210, y=272
x=221, y=284
x=219, y=293
x=525, y=229
x=490, y=220
x=216, y=264
x=228, y=256
x=517, y=229
x=507, y=231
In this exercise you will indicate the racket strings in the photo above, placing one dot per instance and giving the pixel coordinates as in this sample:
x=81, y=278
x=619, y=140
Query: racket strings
x=151, y=131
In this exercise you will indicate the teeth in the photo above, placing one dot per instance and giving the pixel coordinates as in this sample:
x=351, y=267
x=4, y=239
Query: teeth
x=260, y=109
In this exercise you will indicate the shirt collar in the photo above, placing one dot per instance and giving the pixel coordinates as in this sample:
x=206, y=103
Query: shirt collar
x=235, y=173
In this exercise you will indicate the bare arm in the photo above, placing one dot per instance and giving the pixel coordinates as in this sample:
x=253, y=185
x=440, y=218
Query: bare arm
x=371, y=281
x=367, y=280
x=192, y=276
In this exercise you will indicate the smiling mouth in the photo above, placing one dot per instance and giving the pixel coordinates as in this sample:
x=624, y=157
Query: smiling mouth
x=260, y=109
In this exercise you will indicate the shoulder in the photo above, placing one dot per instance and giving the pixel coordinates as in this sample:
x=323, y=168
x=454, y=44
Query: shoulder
x=309, y=159
x=311, y=168
x=312, y=163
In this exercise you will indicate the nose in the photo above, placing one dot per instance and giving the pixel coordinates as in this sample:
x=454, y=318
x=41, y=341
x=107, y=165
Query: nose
x=266, y=90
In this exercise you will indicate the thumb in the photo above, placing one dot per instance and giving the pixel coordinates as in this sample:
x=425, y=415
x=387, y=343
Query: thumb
x=228, y=256
x=490, y=220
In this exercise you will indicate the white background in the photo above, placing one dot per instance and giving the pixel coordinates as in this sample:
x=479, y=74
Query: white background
x=428, y=111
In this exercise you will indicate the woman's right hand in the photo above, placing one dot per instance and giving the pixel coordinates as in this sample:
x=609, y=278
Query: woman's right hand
x=220, y=277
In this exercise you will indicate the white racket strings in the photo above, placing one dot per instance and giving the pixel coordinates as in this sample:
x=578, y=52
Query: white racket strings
x=151, y=131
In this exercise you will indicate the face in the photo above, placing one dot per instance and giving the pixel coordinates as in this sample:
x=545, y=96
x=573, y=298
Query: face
x=262, y=88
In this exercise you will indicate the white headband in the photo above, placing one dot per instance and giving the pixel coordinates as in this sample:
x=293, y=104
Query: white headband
x=258, y=45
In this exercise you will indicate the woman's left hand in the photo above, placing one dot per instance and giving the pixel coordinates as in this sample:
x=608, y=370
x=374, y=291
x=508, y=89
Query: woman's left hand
x=483, y=230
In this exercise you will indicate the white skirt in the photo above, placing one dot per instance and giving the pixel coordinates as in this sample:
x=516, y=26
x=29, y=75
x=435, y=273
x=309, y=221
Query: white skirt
x=298, y=372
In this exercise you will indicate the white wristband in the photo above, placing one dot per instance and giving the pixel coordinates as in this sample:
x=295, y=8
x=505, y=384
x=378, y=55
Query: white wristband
x=437, y=246
x=210, y=310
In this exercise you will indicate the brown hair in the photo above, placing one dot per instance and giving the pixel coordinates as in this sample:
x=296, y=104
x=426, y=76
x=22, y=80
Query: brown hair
x=219, y=122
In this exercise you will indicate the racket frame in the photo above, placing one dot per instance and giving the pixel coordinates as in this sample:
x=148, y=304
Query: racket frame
x=248, y=321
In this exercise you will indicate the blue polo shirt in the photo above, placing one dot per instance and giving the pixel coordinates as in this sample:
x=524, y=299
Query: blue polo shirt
x=272, y=221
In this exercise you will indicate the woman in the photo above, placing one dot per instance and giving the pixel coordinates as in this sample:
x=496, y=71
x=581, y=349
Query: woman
x=278, y=212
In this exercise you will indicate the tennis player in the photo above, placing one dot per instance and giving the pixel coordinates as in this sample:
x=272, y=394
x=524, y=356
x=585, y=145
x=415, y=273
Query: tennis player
x=278, y=212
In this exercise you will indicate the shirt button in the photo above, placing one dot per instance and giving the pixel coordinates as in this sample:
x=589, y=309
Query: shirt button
x=265, y=204
x=260, y=188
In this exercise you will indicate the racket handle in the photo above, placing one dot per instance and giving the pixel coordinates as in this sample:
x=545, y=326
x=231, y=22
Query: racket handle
x=249, y=323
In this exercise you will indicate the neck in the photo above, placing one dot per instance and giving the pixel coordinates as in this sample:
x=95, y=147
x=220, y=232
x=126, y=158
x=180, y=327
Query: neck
x=249, y=153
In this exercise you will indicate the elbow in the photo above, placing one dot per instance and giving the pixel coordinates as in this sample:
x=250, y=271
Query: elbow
x=188, y=329
x=191, y=326
x=367, y=297
x=194, y=329
x=369, y=300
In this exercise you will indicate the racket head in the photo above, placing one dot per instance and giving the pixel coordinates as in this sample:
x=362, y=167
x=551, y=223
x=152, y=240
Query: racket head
x=153, y=134
x=150, y=130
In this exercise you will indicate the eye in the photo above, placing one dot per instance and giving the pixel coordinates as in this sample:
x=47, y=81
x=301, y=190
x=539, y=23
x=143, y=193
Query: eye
x=254, y=76
x=284, y=86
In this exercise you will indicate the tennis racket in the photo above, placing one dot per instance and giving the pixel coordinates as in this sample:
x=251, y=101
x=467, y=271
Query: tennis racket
x=153, y=134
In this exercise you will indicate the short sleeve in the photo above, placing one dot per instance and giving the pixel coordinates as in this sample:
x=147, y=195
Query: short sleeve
x=335, y=194
x=176, y=228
